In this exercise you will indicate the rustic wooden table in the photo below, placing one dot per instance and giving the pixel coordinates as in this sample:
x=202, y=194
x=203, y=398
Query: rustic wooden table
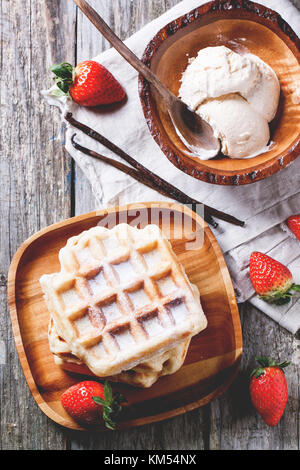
x=40, y=185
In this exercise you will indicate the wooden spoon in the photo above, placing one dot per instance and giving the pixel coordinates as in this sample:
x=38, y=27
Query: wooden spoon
x=196, y=134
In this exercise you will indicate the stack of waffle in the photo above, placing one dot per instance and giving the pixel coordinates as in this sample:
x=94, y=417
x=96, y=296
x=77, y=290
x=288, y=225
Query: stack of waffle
x=122, y=306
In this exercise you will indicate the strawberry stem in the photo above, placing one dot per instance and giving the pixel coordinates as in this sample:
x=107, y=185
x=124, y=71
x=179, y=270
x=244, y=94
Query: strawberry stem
x=111, y=404
x=64, y=77
x=263, y=362
x=296, y=287
x=281, y=298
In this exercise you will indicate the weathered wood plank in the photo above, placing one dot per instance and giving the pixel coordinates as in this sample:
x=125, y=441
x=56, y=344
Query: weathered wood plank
x=183, y=432
x=89, y=44
x=35, y=183
x=37, y=189
x=234, y=422
x=125, y=17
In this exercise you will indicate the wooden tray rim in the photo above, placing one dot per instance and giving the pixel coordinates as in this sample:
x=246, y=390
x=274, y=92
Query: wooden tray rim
x=43, y=405
x=196, y=169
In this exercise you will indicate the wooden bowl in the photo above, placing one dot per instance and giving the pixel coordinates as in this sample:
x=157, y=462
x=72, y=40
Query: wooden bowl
x=213, y=357
x=242, y=26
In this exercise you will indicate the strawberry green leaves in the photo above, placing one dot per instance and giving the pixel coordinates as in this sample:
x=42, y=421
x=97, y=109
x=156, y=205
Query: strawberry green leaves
x=88, y=84
x=111, y=404
x=281, y=298
x=268, y=389
x=264, y=361
x=272, y=281
x=85, y=401
x=64, y=77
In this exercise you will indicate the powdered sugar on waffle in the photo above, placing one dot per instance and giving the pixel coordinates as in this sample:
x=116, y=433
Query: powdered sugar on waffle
x=121, y=298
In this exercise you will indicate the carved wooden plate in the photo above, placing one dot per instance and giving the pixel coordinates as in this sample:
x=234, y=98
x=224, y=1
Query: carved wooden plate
x=242, y=26
x=214, y=355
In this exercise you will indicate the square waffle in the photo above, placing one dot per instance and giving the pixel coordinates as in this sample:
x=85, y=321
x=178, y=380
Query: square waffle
x=143, y=375
x=121, y=298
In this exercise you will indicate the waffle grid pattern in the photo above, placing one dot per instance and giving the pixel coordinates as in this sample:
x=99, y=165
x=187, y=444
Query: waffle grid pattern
x=143, y=375
x=121, y=293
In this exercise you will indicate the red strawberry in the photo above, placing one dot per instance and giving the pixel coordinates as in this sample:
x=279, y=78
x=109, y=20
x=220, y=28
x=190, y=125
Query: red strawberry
x=85, y=401
x=89, y=84
x=293, y=223
x=268, y=389
x=271, y=280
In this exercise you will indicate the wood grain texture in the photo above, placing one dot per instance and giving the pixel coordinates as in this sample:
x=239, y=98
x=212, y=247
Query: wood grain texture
x=264, y=34
x=213, y=356
x=38, y=188
x=35, y=180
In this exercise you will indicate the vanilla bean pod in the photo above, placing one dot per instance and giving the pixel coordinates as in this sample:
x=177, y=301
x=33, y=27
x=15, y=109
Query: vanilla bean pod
x=129, y=171
x=149, y=177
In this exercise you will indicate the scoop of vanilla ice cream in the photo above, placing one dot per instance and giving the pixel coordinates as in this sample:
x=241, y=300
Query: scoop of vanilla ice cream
x=240, y=129
x=264, y=96
x=236, y=94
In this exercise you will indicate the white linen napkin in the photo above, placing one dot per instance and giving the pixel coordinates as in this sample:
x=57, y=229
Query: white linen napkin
x=264, y=205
